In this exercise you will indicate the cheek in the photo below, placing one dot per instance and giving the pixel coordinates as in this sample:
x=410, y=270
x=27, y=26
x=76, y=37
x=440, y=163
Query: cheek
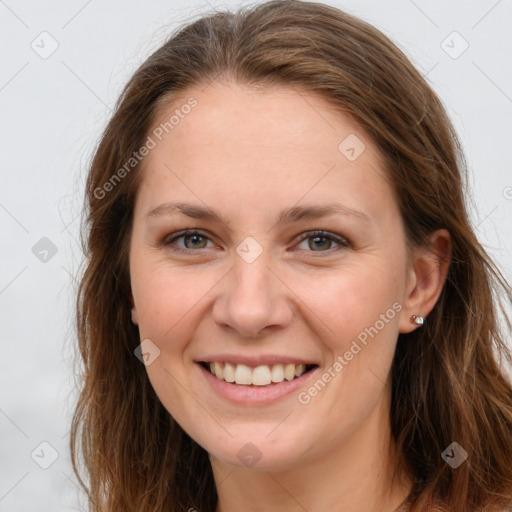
x=168, y=305
x=164, y=296
x=351, y=299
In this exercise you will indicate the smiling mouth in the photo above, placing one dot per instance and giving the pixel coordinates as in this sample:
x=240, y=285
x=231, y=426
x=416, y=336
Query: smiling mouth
x=263, y=375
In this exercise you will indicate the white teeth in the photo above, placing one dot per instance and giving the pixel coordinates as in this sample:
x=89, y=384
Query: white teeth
x=300, y=369
x=229, y=372
x=289, y=371
x=262, y=375
x=277, y=373
x=218, y=370
x=243, y=374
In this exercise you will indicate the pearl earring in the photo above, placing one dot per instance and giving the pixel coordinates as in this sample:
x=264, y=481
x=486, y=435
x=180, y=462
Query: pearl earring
x=418, y=320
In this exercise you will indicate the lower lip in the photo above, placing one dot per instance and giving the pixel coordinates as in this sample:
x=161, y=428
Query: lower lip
x=255, y=395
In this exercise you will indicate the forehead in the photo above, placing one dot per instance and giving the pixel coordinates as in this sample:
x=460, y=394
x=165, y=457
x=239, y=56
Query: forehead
x=289, y=119
x=260, y=146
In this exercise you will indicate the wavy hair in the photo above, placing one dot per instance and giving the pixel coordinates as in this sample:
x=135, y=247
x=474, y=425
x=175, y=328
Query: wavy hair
x=448, y=381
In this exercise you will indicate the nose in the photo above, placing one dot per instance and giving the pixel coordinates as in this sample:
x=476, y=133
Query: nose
x=253, y=299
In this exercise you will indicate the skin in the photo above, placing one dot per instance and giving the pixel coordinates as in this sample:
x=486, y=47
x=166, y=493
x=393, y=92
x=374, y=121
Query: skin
x=248, y=154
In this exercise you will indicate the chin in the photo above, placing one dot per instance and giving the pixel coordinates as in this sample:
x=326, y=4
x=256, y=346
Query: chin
x=258, y=452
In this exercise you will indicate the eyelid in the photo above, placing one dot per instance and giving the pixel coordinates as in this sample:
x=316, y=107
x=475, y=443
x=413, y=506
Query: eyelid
x=181, y=234
x=340, y=240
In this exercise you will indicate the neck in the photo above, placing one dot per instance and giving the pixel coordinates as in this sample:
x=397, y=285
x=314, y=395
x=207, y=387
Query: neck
x=354, y=476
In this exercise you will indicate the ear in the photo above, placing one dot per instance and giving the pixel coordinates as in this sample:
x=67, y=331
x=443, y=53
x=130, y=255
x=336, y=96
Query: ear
x=135, y=317
x=426, y=276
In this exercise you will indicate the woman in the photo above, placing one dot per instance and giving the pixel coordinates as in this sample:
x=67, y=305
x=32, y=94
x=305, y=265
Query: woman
x=285, y=306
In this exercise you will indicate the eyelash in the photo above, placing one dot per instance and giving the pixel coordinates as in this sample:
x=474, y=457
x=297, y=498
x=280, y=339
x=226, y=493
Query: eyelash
x=344, y=243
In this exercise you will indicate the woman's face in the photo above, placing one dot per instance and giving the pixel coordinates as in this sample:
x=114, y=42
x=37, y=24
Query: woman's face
x=254, y=286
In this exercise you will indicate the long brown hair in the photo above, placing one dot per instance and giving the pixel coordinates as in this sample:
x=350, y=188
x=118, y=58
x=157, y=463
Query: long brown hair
x=447, y=383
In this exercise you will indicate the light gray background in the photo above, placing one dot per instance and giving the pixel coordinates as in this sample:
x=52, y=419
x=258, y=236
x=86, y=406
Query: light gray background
x=53, y=112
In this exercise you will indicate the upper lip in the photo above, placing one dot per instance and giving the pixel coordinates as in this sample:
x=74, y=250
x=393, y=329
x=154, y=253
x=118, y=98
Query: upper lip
x=254, y=361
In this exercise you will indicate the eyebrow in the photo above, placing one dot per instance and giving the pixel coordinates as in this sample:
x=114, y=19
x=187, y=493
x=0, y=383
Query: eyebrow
x=288, y=216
